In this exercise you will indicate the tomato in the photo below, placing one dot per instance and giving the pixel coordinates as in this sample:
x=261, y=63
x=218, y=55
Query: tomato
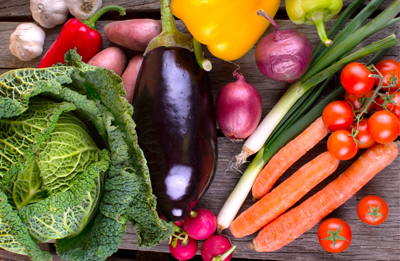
x=363, y=135
x=334, y=235
x=383, y=126
x=387, y=67
x=338, y=115
x=372, y=210
x=354, y=100
x=395, y=109
x=341, y=145
x=355, y=79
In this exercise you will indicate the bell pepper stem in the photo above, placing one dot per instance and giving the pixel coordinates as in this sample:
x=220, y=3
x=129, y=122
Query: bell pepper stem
x=91, y=22
x=318, y=19
x=205, y=64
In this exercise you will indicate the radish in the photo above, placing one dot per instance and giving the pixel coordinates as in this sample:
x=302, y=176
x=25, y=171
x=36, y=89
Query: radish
x=183, y=249
x=217, y=248
x=200, y=224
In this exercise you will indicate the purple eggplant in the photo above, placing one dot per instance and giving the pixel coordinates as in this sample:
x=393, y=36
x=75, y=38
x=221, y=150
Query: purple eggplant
x=176, y=125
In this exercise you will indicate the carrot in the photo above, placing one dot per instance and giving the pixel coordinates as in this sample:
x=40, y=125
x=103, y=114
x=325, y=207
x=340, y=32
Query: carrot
x=285, y=195
x=295, y=222
x=287, y=156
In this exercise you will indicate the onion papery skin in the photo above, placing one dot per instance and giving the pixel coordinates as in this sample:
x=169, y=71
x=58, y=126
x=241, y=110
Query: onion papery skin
x=284, y=57
x=239, y=109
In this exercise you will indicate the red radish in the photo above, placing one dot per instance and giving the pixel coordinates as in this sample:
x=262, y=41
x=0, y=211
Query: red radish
x=184, y=250
x=179, y=223
x=239, y=108
x=283, y=55
x=200, y=224
x=217, y=248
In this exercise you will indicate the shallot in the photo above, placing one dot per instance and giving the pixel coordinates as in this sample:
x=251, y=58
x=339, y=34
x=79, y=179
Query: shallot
x=239, y=108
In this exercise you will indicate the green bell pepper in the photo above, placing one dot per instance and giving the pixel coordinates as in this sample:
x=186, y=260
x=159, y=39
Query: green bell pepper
x=314, y=12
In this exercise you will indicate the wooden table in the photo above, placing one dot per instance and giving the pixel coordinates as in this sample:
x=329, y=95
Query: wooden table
x=369, y=243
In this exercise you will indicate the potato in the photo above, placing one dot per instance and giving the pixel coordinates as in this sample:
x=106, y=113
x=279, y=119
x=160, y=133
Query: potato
x=111, y=58
x=133, y=34
x=129, y=77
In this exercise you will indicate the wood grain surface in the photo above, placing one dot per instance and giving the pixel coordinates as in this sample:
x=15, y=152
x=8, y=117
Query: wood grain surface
x=369, y=242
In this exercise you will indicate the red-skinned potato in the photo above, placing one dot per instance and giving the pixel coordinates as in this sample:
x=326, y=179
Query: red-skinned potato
x=111, y=58
x=130, y=75
x=133, y=34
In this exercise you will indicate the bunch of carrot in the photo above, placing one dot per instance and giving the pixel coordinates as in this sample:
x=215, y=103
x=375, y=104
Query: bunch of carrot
x=284, y=228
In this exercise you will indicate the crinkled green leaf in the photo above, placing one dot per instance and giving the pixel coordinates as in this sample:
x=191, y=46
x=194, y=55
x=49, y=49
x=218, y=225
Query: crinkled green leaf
x=66, y=213
x=14, y=235
x=98, y=97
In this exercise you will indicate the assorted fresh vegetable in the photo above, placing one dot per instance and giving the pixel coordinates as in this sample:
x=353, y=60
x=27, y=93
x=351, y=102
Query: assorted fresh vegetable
x=77, y=163
x=281, y=117
x=175, y=121
x=334, y=235
x=283, y=55
x=284, y=196
x=239, y=108
x=71, y=168
x=81, y=35
x=229, y=28
x=295, y=222
x=287, y=156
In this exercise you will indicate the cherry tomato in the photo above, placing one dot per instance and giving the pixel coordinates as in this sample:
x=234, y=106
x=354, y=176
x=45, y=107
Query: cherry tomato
x=372, y=210
x=341, y=145
x=387, y=67
x=355, y=79
x=383, y=126
x=354, y=100
x=395, y=109
x=338, y=115
x=334, y=235
x=363, y=135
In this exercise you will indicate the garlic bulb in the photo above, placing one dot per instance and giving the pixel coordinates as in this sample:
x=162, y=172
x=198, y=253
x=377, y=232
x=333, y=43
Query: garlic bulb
x=26, y=42
x=83, y=9
x=49, y=13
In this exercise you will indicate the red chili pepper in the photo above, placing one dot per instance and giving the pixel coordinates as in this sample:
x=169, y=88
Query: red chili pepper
x=81, y=35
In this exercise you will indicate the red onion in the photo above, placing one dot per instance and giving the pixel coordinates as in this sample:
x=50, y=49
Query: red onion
x=239, y=108
x=283, y=55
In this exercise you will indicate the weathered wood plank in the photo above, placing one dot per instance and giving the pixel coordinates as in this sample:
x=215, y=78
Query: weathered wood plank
x=368, y=243
x=20, y=8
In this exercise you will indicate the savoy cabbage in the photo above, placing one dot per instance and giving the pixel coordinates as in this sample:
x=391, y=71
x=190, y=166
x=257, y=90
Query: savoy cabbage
x=70, y=165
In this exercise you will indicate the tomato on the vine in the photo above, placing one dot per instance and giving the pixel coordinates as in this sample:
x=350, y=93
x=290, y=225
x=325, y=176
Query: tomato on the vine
x=338, y=115
x=355, y=79
x=393, y=108
x=355, y=100
x=383, y=126
x=363, y=135
x=387, y=67
x=372, y=210
x=334, y=235
x=341, y=145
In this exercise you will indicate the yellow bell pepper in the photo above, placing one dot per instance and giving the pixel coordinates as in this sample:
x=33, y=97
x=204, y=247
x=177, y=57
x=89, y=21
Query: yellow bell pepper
x=229, y=28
